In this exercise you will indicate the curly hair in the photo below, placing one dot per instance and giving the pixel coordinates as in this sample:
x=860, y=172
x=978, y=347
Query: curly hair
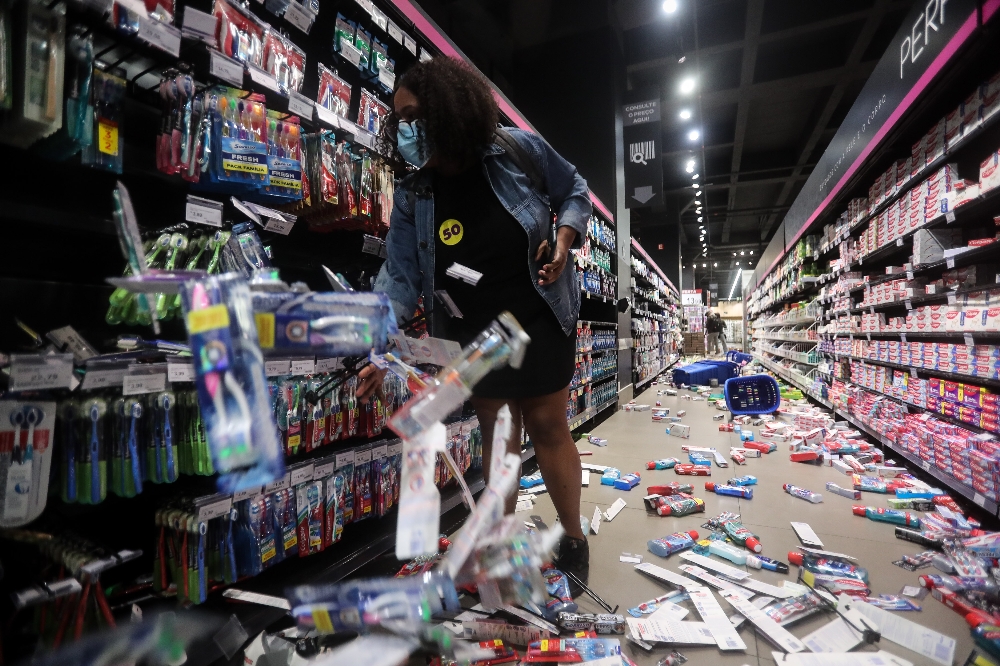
x=457, y=105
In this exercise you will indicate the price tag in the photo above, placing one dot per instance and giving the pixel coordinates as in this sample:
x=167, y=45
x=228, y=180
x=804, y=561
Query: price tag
x=950, y=263
x=869, y=336
x=366, y=5
x=99, y=379
x=816, y=256
x=350, y=53
x=260, y=77
x=277, y=367
x=225, y=68
x=425, y=55
x=303, y=366
x=861, y=261
x=395, y=449
x=379, y=452
x=344, y=458
x=926, y=466
x=138, y=384
x=363, y=456
x=364, y=137
x=327, y=116
x=952, y=299
x=215, y=509
x=871, y=310
x=909, y=304
x=180, y=372
x=949, y=217
x=902, y=337
x=372, y=245
x=410, y=44
x=299, y=16
x=278, y=484
x=199, y=25
x=329, y=364
x=324, y=470
x=977, y=498
x=394, y=32
x=70, y=341
x=899, y=242
x=387, y=78
x=300, y=105
x=161, y=35
x=203, y=211
x=301, y=475
x=913, y=373
x=968, y=339
x=279, y=225
x=379, y=18
x=248, y=493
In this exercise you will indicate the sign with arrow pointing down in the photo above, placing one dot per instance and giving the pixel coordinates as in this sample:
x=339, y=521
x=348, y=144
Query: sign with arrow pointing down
x=641, y=142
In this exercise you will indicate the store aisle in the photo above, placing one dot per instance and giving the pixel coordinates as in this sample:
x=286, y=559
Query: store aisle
x=634, y=439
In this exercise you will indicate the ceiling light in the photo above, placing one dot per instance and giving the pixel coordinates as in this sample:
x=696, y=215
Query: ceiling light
x=694, y=177
x=693, y=135
x=689, y=167
x=687, y=86
x=700, y=219
x=734, y=254
x=742, y=253
x=685, y=114
x=704, y=266
x=715, y=265
x=737, y=263
x=698, y=193
x=682, y=59
x=670, y=6
x=696, y=186
x=735, y=282
x=751, y=253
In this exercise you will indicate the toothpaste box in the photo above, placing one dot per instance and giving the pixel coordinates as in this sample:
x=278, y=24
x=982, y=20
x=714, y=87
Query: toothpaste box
x=681, y=430
x=990, y=92
x=989, y=173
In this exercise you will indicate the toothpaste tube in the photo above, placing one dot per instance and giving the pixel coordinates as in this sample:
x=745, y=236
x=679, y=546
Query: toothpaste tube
x=802, y=493
x=761, y=562
x=672, y=488
x=843, y=492
x=672, y=543
x=745, y=452
x=679, y=505
x=986, y=586
x=663, y=463
x=928, y=539
x=610, y=475
x=814, y=456
x=869, y=484
x=697, y=458
x=739, y=458
x=741, y=535
x=627, y=482
x=732, y=491
x=693, y=470
x=838, y=575
x=747, y=480
x=887, y=515
x=599, y=441
x=763, y=447
x=910, y=504
x=986, y=545
x=728, y=552
x=918, y=493
x=954, y=601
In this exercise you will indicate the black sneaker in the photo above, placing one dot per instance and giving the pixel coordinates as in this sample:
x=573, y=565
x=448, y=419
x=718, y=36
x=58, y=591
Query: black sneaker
x=574, y=558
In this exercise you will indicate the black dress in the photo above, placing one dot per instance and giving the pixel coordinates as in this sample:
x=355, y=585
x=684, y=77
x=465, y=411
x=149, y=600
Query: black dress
x=473, y=229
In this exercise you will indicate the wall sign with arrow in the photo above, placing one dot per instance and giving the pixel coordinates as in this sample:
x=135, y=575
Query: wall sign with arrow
x=642, y=140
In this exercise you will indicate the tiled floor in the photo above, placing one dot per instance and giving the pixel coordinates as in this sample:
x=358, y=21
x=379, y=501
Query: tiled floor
x=633, y=439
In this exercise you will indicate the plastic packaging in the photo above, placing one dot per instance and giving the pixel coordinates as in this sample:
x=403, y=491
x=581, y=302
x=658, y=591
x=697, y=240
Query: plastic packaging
x=802, y=493
x=732, y=491
x=887, y=515
x=829, y=572
x=610, y=475
x=627, y=482
x=692, y=470
x=678, y=505
x=849, y=493
x=663, y=463
x=924, y=539
x=747, y=480
x=673, y=488
x=672, y=543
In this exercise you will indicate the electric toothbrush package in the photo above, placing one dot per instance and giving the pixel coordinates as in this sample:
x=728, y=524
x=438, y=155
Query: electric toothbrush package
x=323, y=323
x=26, y=448
x=231, y=382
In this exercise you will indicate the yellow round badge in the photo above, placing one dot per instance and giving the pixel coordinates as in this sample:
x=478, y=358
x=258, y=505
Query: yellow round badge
x=451, y=232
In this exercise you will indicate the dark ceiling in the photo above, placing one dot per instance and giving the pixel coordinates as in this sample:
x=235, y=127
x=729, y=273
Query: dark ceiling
x=774, y=80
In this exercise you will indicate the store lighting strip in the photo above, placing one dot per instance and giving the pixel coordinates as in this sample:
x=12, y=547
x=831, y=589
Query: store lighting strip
x=430, y=30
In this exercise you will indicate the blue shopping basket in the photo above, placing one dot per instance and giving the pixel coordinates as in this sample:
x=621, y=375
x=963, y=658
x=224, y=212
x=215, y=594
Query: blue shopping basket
x=739, y=358
x=702, y=372
x=756, y=394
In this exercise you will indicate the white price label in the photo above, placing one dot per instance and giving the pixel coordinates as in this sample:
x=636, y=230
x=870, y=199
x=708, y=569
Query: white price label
x=279, y=226
x=180, y=372
x=278, y=484
x=926, y=466
x=327, y=116
x=323, y=470
x=203, y=211
x=299, y=16
x=379, y=18
x=379, y=452
x=215, y=509
x=329, y=364
x=387, y=78
x=909, y=275
x=225, y=68
x=410, y=44
x=260, y=77
x=364, y=137
x=363, y=456
x=138, y=384
x=950, y=263
x=977, y=498
x=902, y=337
x=300, y=105
x=949, y=217
x=871, y=309
x=277, y=368
x=913, y=373
x=968, y=339
x=899, y=242
x=372, y=245
x=303, y=366
x=351, y=53
x=395, y=449
x=345, y=458
x=99, y=379
x=425, y=55
x=199, y=25
x=248, y=493
x=161, y=35
x=909, y=304
x=394, y=32
x=366, y=5
x=302, y=474
x=952, y=299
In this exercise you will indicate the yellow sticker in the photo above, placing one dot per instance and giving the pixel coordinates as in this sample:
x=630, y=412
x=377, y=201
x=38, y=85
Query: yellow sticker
x=208, y=319
x=265, y=329
x=107, y=137
x=321, y=618
x=451, y=232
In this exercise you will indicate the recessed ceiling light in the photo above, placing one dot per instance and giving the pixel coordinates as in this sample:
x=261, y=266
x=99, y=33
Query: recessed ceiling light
x=737, y=263
x=700, y=219
x=685, y=114
x=682, y=59
x=693, y=135
x=689, y=167
x=696, y=186
x=698, y=193
x=687, y=85
x=695, y=177
x=734, y=254
x=742, y=253
x=715, y=265
x=704, y=265
x=670, y=6
x=751, y=253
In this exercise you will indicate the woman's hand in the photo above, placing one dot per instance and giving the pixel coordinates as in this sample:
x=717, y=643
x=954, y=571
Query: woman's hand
x=370, y=382
x=551, y=271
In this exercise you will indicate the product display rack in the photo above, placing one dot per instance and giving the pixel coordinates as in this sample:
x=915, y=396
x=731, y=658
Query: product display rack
x=78, y=235
x=898, y=295
x=655, y=318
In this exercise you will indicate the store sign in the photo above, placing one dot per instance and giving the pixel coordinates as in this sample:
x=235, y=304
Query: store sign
x=691, y=297
x=642, y=141
x=930, y=35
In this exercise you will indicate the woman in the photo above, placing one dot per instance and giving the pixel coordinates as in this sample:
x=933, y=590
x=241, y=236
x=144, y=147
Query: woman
x=469, y=203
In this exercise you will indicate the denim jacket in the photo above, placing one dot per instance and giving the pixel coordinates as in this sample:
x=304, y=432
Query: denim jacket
x=409, y=268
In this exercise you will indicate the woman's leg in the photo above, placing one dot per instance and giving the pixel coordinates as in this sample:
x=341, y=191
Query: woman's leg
x=557, y=455
x=486, y=410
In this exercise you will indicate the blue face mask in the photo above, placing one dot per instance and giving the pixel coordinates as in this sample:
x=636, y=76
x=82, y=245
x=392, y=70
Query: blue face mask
x=411, y=141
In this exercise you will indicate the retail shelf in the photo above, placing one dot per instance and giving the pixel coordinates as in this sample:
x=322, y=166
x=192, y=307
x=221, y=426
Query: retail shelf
x=793, y=378
x=940, y=475
x=915, y=335
x=941, y=374
x=589, y=413
x=642, y=382
x=784, y=338
x=610, y=324
x=591, y=382
x=798, y=357
x=595, y=352
x=788, y=322
x=593, y=264
x=528, y=453
x=597, y=297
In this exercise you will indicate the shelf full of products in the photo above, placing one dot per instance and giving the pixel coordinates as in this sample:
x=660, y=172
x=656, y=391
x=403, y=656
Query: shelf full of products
x=655, y=321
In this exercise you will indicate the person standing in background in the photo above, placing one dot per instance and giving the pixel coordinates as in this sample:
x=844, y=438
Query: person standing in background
x=723, y=332
x=712, y=327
